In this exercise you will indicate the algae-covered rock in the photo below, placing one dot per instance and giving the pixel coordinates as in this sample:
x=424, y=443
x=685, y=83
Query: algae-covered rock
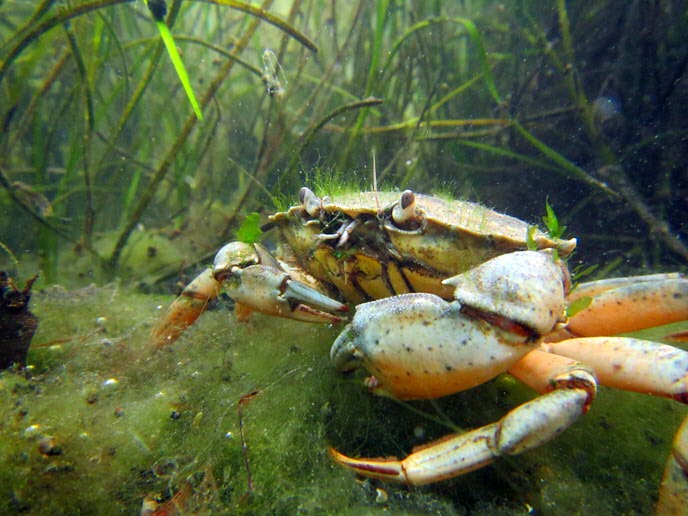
x=17, y=323
x=106, y=424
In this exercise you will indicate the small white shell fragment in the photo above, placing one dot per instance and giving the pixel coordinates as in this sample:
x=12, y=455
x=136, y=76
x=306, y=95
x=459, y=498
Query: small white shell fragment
x=380, y=495
x=32, y=430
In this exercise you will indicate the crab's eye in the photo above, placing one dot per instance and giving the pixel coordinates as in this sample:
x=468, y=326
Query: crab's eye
x=303, y=193
x=310, y=202
x=404, y=212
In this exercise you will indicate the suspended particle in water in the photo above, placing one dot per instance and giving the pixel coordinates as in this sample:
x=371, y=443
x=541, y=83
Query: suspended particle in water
x=272, y=71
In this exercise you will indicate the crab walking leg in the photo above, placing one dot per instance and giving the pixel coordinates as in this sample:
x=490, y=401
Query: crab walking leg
x=522, y=429
x=650, y=368
x=673, y=493
x=255, y=280
x=629, y=304
x=631, y=364
x=184, y=310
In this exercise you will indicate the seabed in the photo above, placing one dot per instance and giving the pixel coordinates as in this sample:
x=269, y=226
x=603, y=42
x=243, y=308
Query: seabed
x=101, y=422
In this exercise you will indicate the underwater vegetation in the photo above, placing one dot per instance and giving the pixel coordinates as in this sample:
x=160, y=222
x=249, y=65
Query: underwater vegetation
x=103, y=423
x=120, y=178
x=506, y=104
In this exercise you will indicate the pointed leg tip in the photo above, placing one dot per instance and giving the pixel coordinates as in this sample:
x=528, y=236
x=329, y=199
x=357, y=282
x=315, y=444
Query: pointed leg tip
x=384, y=469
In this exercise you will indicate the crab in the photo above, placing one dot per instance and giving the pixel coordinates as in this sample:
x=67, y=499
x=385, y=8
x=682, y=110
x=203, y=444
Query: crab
x=449, y=295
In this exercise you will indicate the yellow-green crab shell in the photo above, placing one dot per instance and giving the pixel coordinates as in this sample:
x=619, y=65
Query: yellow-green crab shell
x=382, y=258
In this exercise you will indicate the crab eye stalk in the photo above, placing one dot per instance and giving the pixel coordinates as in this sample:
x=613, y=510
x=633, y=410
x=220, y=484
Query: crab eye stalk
x=405, y=213
x=310, y=202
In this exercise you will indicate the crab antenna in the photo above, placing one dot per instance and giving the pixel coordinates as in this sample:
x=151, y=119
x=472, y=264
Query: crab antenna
x=377, y=199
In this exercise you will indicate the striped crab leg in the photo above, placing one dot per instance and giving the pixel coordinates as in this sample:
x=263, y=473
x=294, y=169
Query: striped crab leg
x=184, y=310
x=645, y=367
x=256, y=281
x=523, y=428
x=623, y=305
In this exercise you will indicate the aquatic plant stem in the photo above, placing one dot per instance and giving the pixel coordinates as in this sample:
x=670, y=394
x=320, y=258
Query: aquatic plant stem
x=618, y=178
x=7, y=184
x=176, y=147
x=60, y=18
x=263, y=14
x=41, y=9
x=577, y=92
x=89, y=117
x=325, y=80
x=28, y=114
x=380, y=21
x=244, y=400
x=270, y=143
x=313, y=130
x=222, y=51
x=140, y=89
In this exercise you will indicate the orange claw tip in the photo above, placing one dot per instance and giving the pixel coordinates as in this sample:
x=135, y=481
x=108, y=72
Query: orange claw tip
x=386, y=469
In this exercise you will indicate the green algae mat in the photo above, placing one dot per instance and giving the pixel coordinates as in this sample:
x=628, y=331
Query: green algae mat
x=238, y=418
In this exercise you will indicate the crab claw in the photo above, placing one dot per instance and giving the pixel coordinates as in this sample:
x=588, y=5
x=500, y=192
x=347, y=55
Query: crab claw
x=253, y=278
x=419, y=346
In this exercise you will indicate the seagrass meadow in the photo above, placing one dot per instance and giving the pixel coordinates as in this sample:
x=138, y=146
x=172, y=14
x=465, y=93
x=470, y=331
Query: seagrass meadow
x=138, y=137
